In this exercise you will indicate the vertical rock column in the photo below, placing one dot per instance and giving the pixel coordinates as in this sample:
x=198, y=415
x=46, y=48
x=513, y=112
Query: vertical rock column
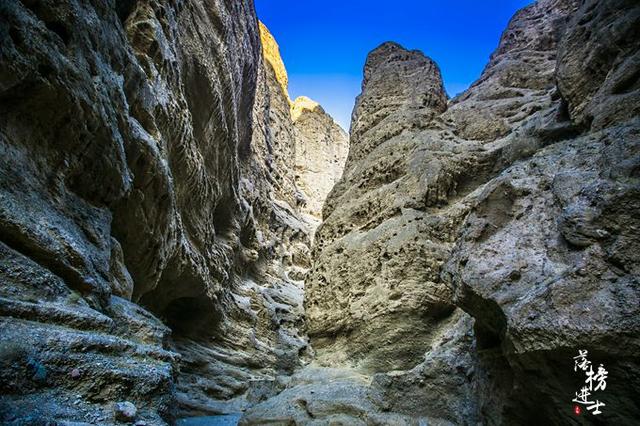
x=374, y=297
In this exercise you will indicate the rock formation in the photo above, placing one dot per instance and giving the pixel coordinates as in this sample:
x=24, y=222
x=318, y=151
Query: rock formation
x=160, y=192
x=224, y=371
x=377, y=265
x=314, y=149
x=485, y=240
x=321, y=151
x=152, y=245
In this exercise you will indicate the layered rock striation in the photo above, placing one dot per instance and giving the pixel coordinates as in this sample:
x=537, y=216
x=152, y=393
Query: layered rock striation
x=476, y=244
x=377, y=258
x=160, y=192
x=151, y=240
x=313, y=147
x=321, y=152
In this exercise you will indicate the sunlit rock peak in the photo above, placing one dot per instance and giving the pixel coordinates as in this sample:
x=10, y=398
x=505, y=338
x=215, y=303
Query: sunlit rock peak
x=271, y=52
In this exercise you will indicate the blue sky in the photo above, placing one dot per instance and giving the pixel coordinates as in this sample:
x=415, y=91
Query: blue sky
x=324, y=43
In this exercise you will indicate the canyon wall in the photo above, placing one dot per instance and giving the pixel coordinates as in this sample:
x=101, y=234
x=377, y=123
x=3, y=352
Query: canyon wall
x=475, y=244
x=160, y=193
x=321, y=151
x=153, y=247
x=315, y=158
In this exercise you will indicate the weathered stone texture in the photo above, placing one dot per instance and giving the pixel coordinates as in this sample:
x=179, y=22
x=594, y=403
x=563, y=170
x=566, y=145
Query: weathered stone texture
x=515, y=206
x=148, y=153
x=321, y=151
x=377, y=264
x=159, y=194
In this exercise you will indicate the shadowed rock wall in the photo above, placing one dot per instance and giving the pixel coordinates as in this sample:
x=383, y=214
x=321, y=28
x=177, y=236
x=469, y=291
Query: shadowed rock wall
x=151, y=240
x=157, y=212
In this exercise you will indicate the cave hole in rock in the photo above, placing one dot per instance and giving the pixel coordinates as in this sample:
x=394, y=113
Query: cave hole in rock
x=191, y=317
x=124, y=9
x=223, y=217
x=16, y=36
x=563, y=111
x=486, y=338
x=59, y=29
x=491, y=330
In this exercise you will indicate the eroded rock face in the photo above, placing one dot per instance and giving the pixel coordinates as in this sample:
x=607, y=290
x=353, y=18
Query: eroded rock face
x=604, y=41
x=156, y=214
x=271, y=53
x=437, y=391
x=309, y=148
x=152, y=247
x=263, y=334
x=544, y=260
x=506, y=222
x=515, y=83
x=376, y=262
x=321, y=151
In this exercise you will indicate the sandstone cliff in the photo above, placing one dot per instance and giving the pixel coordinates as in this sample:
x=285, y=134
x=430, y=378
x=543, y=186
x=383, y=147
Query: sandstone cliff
x=317, y=147
x=160, y=191
x=483, y=240
x=151, y=240
x=374, y=249
x=321, y=151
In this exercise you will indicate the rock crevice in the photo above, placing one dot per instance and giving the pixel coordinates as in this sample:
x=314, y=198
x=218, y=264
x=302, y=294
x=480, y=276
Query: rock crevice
x=490, y=225
x=178, y=237
x=154, y=241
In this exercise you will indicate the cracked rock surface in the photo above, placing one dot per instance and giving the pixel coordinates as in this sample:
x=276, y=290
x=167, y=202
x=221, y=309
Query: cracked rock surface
x=502, y=221
x=166, y=249
x=152, y=243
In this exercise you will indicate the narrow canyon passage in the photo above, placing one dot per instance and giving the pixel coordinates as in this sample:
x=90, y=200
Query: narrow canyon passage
x=183, y=243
